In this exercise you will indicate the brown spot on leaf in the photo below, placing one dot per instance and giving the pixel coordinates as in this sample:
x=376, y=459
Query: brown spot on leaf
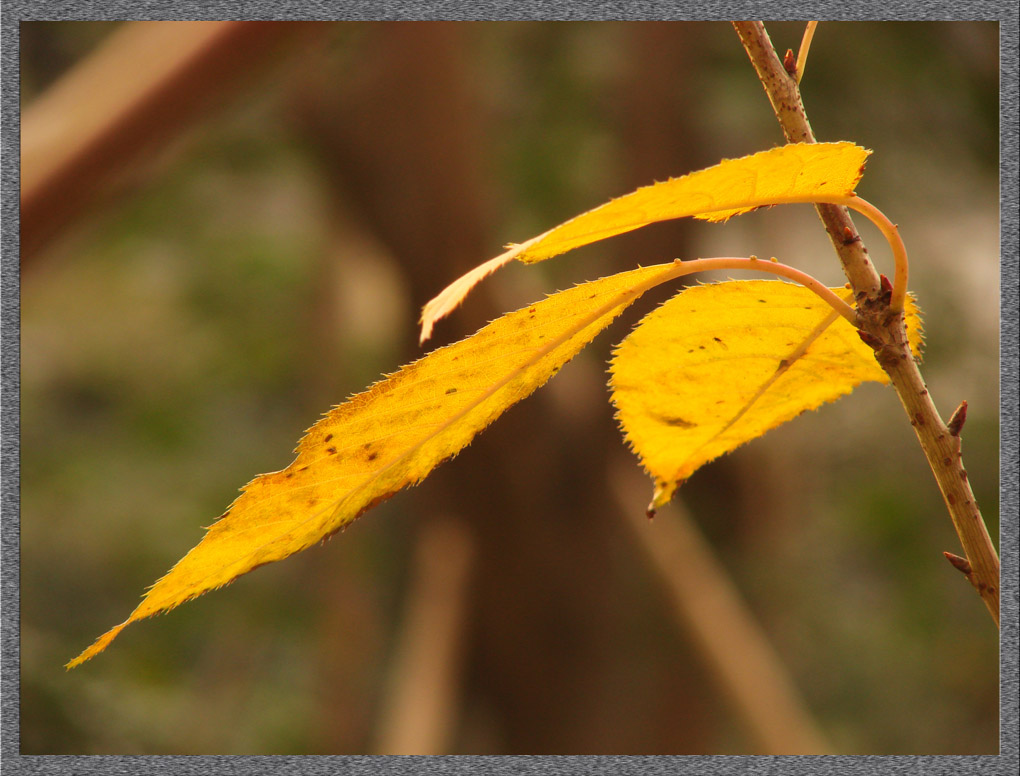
x=450, y=390
x=331, y=450
x=327, y=437
x=675, y=421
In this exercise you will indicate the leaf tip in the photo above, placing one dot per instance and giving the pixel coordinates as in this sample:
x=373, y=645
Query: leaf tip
x=97, y=646
x=426, y=330
x=447, y=300
x=661, y=496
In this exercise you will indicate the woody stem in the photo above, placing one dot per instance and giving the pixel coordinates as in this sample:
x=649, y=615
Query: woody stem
x=884, y=322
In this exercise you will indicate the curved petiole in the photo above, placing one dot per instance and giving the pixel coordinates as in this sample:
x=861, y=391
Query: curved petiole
x=892, y=235
x=773, y=267
x=451, y=296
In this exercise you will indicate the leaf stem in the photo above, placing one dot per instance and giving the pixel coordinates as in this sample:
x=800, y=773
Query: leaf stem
x=775, y=268
x=885, y=324
x=892, y=235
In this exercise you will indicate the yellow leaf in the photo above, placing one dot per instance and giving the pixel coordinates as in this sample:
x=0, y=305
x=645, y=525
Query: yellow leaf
x=799, y=172
x=392, y=436
x=719, y=365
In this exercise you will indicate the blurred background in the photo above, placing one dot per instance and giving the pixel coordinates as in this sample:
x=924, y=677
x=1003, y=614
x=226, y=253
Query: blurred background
x=227, y=228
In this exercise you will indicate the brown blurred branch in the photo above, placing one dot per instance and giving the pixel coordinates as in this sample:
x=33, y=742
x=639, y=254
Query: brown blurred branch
x=941, y=446
x=419, y=710
x=708, y=606
x=147, y=83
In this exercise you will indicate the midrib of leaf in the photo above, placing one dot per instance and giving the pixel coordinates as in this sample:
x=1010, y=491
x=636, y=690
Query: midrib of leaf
x=620, y=300
x=785, y=363
x=337, y=506
x=169, y=591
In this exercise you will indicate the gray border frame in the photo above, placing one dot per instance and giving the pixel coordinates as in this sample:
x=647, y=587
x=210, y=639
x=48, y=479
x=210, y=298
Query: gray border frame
x=16, y=11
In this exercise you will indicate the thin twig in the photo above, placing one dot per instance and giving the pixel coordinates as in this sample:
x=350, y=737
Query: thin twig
x=784, y=95
x=419, y=710
x=885, y=326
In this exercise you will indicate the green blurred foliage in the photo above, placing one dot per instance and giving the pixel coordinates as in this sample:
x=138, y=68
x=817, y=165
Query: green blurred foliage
x=178, y=343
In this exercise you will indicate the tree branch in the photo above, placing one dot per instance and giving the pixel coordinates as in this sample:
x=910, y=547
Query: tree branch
x=146, y=84
x=885, y=330
x=710, y=609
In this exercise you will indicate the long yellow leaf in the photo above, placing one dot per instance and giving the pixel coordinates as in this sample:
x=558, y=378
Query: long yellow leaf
x=719, y=365
x=392, y=436
x=799, y=172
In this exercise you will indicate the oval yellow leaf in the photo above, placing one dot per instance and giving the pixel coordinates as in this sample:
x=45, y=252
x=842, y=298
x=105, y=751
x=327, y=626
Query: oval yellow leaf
x=392, y=436
x=719, y=365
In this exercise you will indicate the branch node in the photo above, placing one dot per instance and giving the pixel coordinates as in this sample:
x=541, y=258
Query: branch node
x=958, y=418
x=886, y=288
x=870, y=340
x=790, y=62
x=960, y=564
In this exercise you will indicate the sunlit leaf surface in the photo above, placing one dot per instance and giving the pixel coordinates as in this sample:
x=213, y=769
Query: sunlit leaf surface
x=719, y=365
x=799, y=172
x=392, y=436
